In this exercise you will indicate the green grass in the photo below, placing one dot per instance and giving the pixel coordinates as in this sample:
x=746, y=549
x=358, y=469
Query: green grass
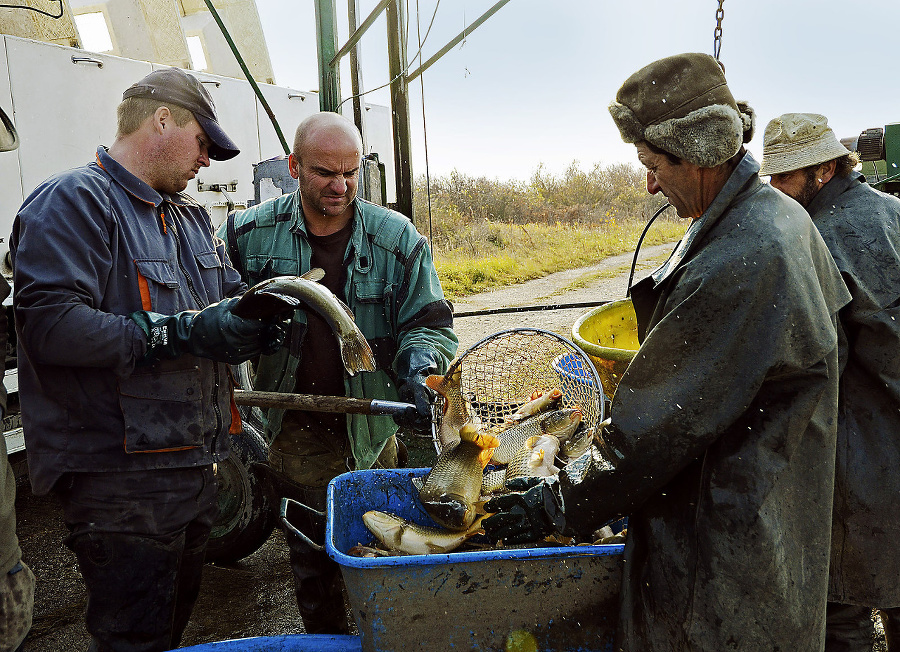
x=496, y=254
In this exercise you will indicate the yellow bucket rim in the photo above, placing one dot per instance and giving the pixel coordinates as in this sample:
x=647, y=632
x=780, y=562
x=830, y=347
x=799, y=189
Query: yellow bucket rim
x=595, y=350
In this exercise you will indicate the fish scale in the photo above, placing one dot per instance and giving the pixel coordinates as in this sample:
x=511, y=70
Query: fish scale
x=559, y=423
x=453, y=485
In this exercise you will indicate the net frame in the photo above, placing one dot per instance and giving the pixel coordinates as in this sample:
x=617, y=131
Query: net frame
x=499, y=373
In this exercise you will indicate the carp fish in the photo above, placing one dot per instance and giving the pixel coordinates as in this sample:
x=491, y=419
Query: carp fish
x=453, y=486
x=400, y=535
x=283, y=294
x=456, y=415
x=578, y=444
x=540, y=403
x=559, y=423
x=535, y=459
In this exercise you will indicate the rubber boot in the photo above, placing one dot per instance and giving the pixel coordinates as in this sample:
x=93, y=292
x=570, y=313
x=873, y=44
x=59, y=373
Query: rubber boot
x=848, y=628
x=317, y=578
x=131, y=590
x=890, y=620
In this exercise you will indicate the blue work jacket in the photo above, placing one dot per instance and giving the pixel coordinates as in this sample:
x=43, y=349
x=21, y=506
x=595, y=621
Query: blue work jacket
x=89, y=247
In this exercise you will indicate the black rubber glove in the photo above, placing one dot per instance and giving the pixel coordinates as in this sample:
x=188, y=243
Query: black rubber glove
x=526, y=517
x=214, y=332
x=413, y=367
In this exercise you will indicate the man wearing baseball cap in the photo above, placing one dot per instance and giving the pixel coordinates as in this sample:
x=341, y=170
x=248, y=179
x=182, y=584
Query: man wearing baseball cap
x=125, y=334
x=722, y=438
x=861, y=227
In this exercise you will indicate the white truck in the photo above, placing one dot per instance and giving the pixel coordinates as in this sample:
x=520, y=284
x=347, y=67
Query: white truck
x=63, y=102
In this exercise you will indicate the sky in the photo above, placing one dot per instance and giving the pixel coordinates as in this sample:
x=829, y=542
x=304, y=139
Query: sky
x=530, y=86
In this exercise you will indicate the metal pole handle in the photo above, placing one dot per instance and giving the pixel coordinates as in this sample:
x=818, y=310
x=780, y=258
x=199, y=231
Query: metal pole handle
x=315, y=403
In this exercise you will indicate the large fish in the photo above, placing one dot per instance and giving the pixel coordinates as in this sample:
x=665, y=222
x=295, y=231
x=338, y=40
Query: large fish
x=282, y=294
x=400, y=535
x=453, y=486
x=559, y=423
x=534, y=459
x=540, y=403
x=578, y=444
x=456, y=414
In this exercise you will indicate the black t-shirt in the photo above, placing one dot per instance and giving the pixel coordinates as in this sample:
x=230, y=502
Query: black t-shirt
x=321, y=370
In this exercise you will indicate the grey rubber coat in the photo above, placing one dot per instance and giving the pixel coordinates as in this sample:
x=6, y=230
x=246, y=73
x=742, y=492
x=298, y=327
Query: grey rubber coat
x=861, y=227
x=722, y=444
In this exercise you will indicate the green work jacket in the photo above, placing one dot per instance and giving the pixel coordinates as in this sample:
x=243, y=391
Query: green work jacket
x=391, y=286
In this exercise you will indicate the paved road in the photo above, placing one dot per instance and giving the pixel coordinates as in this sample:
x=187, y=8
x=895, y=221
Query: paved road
x=255, y=596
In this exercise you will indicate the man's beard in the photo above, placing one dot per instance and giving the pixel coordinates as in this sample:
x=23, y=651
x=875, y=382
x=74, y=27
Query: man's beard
x=810, y=188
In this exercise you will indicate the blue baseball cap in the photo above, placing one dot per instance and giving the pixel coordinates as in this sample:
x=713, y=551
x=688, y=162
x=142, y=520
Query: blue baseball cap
x=178, y=87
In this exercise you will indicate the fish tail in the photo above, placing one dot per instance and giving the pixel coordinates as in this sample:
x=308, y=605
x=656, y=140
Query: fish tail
x=356, y=353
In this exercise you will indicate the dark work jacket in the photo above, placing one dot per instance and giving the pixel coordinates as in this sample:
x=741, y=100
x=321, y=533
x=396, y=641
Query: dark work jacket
x=722, y=443
x=89, y=247
x=861, y=227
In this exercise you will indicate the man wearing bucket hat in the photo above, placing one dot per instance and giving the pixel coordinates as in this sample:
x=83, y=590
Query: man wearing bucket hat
x=722, y=437
x=861, y=227
x=125, y=333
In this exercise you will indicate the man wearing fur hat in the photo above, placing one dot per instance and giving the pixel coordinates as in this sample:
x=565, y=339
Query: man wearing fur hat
x=861, y=227
x=722, y=442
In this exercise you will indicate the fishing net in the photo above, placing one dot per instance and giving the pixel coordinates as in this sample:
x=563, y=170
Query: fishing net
x=503, y=371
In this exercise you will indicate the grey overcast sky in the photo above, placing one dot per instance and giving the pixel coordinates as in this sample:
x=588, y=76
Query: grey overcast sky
x=531, y=85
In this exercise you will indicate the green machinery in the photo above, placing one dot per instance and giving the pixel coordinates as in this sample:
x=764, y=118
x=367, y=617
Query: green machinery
x=879, y=151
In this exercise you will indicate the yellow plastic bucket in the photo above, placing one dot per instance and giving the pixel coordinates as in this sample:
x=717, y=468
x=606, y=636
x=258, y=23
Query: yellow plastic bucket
x=608, y=334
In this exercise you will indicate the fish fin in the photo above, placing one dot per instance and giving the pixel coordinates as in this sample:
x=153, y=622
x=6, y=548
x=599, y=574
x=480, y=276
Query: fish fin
x=536, y=394
x=470, y=433
x=356, y=353
x=484, y=457
x=346, y=309
x=476, y=528
x=315, y=274
x=437, y=384
x=418, y=482
x=537, y=457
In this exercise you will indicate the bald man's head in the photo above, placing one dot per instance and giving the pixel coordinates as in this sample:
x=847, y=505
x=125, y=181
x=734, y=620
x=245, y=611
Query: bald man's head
x=326, y=130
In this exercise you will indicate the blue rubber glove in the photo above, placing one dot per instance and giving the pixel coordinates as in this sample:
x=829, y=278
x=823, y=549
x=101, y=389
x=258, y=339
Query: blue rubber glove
x=528, y=516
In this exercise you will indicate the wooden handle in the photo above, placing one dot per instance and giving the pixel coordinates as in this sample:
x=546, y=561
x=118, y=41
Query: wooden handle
x=315, y=403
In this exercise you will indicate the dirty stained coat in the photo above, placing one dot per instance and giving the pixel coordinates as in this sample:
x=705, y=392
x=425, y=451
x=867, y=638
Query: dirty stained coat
x=723, y=438
x=861, y=227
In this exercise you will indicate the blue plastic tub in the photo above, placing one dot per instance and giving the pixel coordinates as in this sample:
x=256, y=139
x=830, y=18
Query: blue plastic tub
x=566, y=597
x=287, y=643
x=577, y=379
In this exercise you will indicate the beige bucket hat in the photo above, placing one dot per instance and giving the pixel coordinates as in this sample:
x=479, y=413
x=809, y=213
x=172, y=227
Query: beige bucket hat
x=682, y=104
x=798, y=140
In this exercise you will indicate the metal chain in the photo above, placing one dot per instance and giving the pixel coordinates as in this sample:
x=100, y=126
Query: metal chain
x=717, y=34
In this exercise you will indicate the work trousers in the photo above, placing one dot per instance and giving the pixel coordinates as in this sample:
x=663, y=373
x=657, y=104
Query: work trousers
x=300, y=467
x=140, y=539
x=849, y=628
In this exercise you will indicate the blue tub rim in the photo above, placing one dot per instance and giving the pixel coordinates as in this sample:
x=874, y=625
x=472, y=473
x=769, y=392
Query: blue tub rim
x=550, y=552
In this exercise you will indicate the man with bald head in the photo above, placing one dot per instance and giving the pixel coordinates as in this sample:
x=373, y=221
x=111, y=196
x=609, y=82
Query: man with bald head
x=381, y=267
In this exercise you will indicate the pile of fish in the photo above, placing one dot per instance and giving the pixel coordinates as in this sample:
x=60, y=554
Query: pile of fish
x=529, y=442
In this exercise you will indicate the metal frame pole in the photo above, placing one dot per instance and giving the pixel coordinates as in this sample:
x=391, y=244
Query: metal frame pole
x=359, y=111
x=329, y=79
x=400, y=108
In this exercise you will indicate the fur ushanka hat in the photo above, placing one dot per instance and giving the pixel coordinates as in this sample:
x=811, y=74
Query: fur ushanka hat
x=681, y=104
